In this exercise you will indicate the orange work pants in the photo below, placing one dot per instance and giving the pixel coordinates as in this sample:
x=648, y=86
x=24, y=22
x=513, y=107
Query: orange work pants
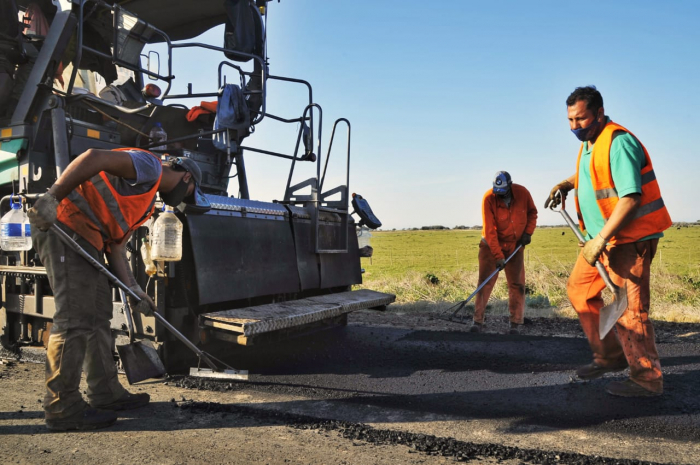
x=633, y=339
x=515, y=275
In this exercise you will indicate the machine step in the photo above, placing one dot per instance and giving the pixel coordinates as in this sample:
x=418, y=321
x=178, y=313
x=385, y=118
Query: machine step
x=252, y=321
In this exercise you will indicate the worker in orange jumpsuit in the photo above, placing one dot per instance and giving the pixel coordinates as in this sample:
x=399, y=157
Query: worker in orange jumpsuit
x=510, y=218
x=620, y=207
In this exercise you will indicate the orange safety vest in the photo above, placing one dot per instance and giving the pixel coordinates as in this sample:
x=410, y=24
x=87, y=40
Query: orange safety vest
x=102, y=216
x=651, y=217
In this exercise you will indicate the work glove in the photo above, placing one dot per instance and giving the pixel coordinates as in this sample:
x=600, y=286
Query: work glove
x=145, y=305
x=554, y=197
x=42, y=215
x=525, y=239
x=593, y=248
x=501, y=263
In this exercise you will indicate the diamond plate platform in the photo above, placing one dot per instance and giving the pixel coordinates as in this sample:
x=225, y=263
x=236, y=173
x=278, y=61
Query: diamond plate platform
x=261, y=319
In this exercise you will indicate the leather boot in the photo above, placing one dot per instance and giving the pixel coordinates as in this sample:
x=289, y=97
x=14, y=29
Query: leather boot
x=87, y=419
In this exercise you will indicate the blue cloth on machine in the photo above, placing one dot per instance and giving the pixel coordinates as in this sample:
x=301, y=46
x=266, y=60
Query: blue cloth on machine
x=231, y=113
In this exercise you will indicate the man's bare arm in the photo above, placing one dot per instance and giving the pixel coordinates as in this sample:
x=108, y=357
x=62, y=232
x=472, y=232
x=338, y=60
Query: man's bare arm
x=120, y=265
x=87, y=165
x=622, y=214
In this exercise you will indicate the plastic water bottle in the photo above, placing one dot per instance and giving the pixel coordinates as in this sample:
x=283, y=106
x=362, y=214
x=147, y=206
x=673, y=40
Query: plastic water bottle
x=15, y=232
x=166, y=237
x=158, y=134
x=363, y=237
x=146, y=256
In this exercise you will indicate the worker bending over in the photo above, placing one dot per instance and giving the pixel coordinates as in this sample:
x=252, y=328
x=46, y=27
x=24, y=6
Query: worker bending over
x=619, y=206
x=100, y=199
x=510, y=218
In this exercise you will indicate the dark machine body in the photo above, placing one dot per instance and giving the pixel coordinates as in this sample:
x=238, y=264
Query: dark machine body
x=268, y=260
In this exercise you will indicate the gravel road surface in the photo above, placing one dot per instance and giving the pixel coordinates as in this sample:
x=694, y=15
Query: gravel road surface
x=392, y=387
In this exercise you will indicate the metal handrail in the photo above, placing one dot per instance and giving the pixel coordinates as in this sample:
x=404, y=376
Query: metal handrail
x=80, y=47
x=328, y=155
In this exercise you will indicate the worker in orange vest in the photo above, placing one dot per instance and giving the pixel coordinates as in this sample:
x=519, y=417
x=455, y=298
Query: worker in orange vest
x=621, y=210
x=510, y=218
x=100, y=199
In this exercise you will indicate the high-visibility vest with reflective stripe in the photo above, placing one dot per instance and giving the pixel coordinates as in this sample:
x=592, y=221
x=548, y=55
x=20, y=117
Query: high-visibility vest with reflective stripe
x=98, y=213
x=651, y=217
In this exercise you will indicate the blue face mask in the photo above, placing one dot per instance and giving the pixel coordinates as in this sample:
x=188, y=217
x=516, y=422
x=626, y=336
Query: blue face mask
x=587, y=133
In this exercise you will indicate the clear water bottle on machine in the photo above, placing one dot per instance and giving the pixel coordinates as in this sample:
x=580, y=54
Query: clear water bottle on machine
x=15, y=232
x=166, y=237
x=158, y=134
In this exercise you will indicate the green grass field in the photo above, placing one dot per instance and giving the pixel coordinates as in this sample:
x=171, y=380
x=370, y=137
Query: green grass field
x=403, y=260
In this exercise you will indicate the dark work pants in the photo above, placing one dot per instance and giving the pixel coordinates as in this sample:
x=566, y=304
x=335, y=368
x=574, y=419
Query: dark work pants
x=80, y=338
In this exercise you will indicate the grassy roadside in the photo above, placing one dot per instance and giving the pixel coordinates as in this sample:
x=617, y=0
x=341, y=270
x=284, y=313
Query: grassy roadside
x=441, y=266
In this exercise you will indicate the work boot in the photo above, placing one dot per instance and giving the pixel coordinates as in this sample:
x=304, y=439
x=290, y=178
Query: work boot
x=87, y=419
x=593, y=370
x=629, y=388
x=128, y=401
x=476, y=327
x=514, y=328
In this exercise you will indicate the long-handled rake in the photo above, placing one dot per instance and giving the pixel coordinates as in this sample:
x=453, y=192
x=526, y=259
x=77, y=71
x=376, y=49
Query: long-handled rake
x=461, y=305
x=613, y=311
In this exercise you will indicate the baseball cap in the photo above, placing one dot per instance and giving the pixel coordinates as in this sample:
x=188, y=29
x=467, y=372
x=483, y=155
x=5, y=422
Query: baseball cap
x=189, y=165
x=501, y=183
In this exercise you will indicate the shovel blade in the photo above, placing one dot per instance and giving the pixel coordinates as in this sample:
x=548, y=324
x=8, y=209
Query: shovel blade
x=140, y=362
x=612, y=312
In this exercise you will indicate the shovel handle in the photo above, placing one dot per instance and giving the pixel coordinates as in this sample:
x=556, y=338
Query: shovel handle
x=599, y=266
x=127, y=315
x=70, y=242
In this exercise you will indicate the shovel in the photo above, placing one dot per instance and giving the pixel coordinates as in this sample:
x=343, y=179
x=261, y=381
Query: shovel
x=229, y=373
x=612, y=312
x=462, y=304
x=140, y=359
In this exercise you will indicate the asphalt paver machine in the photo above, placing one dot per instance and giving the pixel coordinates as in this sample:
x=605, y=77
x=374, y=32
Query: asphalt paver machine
x=252, y=272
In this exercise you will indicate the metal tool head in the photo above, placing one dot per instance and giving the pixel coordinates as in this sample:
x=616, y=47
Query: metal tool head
x=610, y=313
x=613, y=311
x=140, y=362
x=454, y=314
x=241, y=375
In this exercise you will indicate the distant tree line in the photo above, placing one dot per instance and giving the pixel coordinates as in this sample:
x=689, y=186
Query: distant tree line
x=477, y=227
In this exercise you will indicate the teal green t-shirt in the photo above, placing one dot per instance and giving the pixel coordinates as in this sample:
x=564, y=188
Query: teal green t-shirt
x=626, y=162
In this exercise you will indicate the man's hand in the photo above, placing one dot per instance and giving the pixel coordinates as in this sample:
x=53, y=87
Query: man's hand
x=43, y=214
x=555, y=197
x=500, y=264
x=593, y=248
x=145, y=305
x=525, y=239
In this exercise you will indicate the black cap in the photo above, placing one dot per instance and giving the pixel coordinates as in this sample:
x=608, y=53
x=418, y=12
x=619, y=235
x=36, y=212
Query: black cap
x=190, y=166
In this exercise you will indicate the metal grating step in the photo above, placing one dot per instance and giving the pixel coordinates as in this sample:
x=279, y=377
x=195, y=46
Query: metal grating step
x=261, y=319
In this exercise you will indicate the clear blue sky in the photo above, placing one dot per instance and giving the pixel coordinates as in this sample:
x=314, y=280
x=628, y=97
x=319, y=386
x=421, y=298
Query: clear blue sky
x=442, y=94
